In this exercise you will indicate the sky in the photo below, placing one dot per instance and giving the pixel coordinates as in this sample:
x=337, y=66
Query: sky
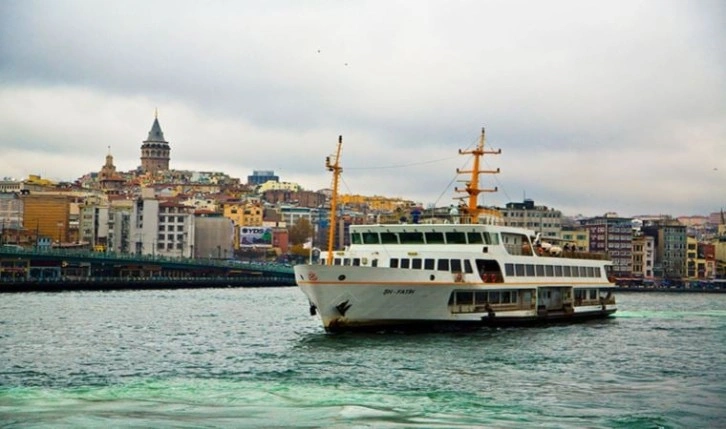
x=597, y=107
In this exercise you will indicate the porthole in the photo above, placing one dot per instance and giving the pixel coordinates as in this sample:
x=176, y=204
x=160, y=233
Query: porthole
x=341, y=277
x=432, y=277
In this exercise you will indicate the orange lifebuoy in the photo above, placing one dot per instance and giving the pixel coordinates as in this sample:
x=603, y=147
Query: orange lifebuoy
x=459, y=278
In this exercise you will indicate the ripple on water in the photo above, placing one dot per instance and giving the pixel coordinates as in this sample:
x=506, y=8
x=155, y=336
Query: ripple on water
x=239, y=357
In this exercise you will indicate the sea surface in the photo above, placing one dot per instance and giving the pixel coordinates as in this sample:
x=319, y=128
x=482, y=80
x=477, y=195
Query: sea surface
x=255, y=358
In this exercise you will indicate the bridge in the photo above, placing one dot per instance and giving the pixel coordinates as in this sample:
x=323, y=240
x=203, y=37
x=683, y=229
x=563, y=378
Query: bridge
x=64, y=269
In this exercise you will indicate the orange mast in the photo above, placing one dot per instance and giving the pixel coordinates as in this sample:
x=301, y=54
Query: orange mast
x=473, y=210
x=336, y=169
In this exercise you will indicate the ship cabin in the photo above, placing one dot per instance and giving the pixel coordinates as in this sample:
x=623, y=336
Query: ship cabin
x=495, y=253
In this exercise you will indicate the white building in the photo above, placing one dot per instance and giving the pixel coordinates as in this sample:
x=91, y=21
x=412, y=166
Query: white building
x=161, y=228
x=93, y=222
x=272, y=185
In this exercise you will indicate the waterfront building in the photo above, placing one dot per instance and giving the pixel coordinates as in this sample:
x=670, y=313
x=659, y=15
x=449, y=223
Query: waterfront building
x=670, y=245
x=700, y=260
x=144, y=224
x=719, y=250
x=213, y=237
x=707, y=252
x=119, y=225
x=93, y=227
x=11, y=210
x=49, y=215
x=163, y=228
x=155, y=150
x=545, y=221
x=691, y=256
x=259, y=177
x=643, y=256
x=612, y=235
x=176, y=233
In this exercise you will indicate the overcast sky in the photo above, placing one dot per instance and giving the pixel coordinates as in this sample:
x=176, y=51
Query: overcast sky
x=597, y=106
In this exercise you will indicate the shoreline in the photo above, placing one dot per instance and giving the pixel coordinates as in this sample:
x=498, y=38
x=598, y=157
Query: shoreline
x=666, y=290
x=71, y=285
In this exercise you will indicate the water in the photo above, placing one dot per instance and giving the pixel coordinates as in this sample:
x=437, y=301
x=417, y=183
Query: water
x=255, y=358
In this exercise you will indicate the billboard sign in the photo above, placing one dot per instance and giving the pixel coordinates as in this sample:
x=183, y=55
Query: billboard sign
x=255, y=235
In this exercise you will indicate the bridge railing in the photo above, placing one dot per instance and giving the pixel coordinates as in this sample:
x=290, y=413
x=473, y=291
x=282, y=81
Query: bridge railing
x=85, y=254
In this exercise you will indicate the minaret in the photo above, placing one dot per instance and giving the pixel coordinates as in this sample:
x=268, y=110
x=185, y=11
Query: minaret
x=155, y=150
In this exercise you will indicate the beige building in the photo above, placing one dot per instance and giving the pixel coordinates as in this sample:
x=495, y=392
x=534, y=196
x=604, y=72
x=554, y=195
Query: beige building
x=243, y=213
x=579, y=236
x=375, y=203
x=272, y=185
x=643, y=256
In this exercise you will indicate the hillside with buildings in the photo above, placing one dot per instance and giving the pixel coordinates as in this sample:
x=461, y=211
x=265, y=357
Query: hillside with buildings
x=156, y=210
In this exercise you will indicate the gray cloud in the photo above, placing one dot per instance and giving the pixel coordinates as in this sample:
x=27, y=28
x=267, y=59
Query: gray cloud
x=597, y=106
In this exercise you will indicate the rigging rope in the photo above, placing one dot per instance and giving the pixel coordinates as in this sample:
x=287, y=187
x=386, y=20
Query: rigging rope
x=433, y=161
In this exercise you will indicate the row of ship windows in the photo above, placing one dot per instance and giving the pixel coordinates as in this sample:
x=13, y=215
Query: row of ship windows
x=462, y=297
x=431, y=237
x=483, y=297
x=464, y=266
x=532, y=270
x=453, y=265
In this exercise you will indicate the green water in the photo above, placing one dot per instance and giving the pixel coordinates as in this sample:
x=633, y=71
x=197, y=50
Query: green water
x=255, y=358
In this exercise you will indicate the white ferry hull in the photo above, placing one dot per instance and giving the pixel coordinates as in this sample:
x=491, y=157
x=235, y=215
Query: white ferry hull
x=348, y=298
x=462, y=268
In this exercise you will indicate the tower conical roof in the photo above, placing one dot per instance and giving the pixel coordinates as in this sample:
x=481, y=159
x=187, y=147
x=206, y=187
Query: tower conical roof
x=156, y=135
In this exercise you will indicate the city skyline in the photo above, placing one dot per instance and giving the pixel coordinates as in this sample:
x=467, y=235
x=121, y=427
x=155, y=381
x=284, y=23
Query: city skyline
x=596, y=107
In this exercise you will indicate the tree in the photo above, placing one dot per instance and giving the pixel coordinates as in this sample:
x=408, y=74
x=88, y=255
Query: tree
x=301, y=232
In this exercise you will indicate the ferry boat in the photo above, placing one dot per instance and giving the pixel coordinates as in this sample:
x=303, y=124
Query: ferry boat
x=466, y=270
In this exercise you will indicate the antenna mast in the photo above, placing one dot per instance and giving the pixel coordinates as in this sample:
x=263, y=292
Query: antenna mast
x=336, y=169
x=473, y=210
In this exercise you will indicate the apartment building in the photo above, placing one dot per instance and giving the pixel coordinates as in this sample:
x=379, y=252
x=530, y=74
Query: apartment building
x=243, y=213
x=612, y=235
x=670, y=245
x=643, y=256
x=545, y=221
